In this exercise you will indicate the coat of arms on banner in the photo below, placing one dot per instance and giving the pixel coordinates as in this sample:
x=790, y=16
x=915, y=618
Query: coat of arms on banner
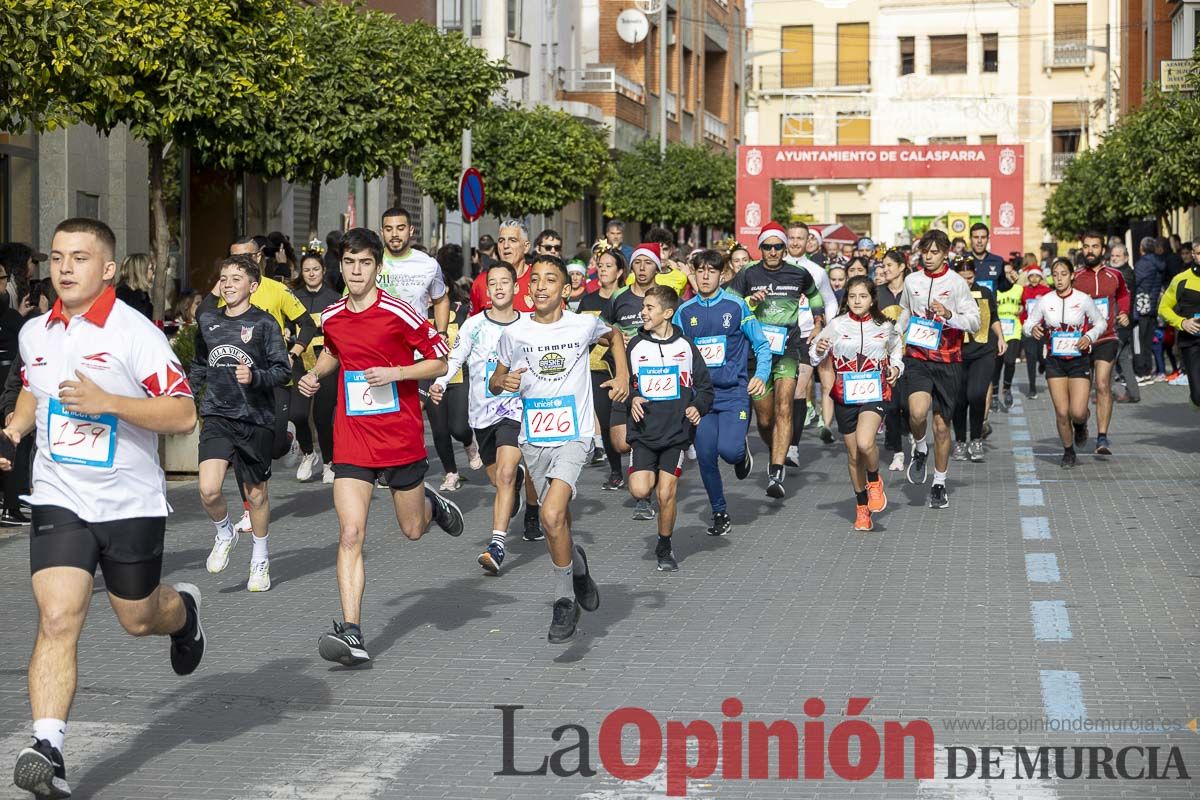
x=753, y=215
x=754, y=161
x=1008, y=161
x=1008, y=215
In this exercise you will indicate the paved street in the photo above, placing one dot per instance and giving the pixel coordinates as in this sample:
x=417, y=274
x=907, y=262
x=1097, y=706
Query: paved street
x=1039, y=593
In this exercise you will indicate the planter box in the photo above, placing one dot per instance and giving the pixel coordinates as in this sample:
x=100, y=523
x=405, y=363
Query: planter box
x=179, y=454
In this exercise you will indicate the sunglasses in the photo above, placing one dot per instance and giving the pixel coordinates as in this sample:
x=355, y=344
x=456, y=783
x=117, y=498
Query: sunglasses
x=771, y=247
x=553, y=248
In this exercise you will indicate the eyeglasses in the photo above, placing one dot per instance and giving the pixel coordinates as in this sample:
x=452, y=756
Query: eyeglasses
x=552, y=248
x=772, y=247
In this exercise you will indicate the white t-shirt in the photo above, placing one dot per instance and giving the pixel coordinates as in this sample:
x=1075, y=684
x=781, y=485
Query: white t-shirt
x=476, y=347
x=821, y=278
x=101, y=468
x=557, y=388
x=416, y=279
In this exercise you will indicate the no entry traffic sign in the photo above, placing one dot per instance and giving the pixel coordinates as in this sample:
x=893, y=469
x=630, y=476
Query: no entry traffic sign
x=470, y=194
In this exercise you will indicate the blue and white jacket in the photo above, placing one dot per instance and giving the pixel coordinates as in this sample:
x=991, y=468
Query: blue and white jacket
x=726, y=332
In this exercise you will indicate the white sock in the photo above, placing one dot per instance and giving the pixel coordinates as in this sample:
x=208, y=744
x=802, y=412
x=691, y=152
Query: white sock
x=939, y=478
x=260, y=549
x=224, y=529
x=920, y=446
x=498, y=537
x=53, y=731
x=562, y=580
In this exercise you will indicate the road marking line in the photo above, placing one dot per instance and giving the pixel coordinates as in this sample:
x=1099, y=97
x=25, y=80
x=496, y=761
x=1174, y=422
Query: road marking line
x=1042, y=568
x=1031, y=497
x=1035, y=527
x=1062, y=697
x=1050, y=621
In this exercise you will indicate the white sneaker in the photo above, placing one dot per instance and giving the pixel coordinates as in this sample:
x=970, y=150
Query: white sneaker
x=243, y=524
x=473, y=459
x=260, y=577
x=793, y=456
x=308, y=467
x=691, y=452
x=897, y=464
x=218, y=559
x=292, y=457
x=451, y=483
x=327, y=474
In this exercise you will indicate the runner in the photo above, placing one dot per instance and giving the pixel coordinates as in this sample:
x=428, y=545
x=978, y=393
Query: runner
x=979, y=351
x=410, y=275
x=797, y=239
x=309, y=412
x=1008, y=310
x=240, y=359
x=1035, y=288
x=448, y=419
x=611, y=275
x=891, y=270
x=370, y=337
x=673, y=391
x=496, y=419
x=726, y=331
x=773, y=289
x=1108, y=291
x=936, y=311
x=868, y=358
x=512, y=245
x=544, y=357
x=670, y=272
x=1068, y=323
x=100, y=383
x=1180, y=308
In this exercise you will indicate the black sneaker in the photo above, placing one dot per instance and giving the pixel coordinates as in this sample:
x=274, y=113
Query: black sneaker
x=520, y=495
x=13, y=518
x=1069, y=459
x=918, y=469
x=1008, y=399
x=1081, y=432
x=598, y=457
x=775, y=485
x=40, y=770
x=938, y=498
x=533, y=525
x=586, y=592
x=743, y=468
x=826, y=435
x=644, y=510
x=615, y=481
x=562, y=623
x=665, y=555
x=446, y=514
x=721, y=525
x=188, y=648
x=342, y=646
x=1032, y=394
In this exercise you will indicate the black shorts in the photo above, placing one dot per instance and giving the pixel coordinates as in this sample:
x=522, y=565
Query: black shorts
x=401, y=478
x=644, y=459
x=846, y=414
x=619, y=415
x=501, y=434
x=247, y=446
x=1080, y=367
x=129, y=551
x=1105, y=351
x=941, y=381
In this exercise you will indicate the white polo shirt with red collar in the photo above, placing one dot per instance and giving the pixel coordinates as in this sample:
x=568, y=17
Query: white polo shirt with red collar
x=99, y=467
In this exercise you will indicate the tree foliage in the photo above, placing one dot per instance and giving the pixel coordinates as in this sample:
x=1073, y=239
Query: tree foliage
x=533, y=161
x=690, y=185
x=782, y=197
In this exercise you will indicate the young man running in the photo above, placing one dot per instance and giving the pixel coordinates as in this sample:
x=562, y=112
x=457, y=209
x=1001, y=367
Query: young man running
x=1106, y=286
x=936, y=310
x=672, y=392
x=240, y=355
x=797, y=239
x=774, y=289
x=410, y=275
x=545, y=358
x=722, y=326
x=378, y=432
x=495, y=418
x=99, y=384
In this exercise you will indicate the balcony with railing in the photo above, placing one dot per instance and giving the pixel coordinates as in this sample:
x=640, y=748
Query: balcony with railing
x=715, y=130
x=1067, y=53
x=602, y=78
x=806, y=79
x=1054, y=166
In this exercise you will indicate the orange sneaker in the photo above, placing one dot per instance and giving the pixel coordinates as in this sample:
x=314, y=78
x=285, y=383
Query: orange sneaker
x=876, y=499
x=862, y=521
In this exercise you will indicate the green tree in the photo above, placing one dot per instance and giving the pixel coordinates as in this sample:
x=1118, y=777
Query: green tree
x=782, y=197
x=533, y=161
x=690, y=185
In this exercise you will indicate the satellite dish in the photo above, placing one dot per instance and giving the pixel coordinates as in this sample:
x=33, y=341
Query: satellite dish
x=632, y=26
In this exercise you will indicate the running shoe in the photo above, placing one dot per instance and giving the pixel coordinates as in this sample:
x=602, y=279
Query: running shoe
x=451, y=483
x=691, y=452
x=743, y=468
x=918, y=469
x=473, y=459
x=533, y=526
x=1173, y=376
x=862, y=519
x=308, y=467
x=1160, y=378
x=811, y=415
x=665, y=555
x=826, y=435
x=218, y=559
x=644, y=511
x=446, y=514
x=598, y=456
x=897, y=464
x=1008, y=399
x=587, y=594
x=615, y=481
x=13, y=518
x=793, y=457
x=938, y=497
x=876, y=497
x=1102, y=448
x=491, y=558
x=960, y=451
x=1032, y=394
x=187, y=648
x=775, y=485
x=260, y=577
x=519, y=494
x=987, y=430
x=1069, y=459
x=1182, y=380
x=292, y=457
x=327, y=473
x=40, y=770
x=244, y=525
x=1081, y=432
x=975, y=451
x=721, y=525
x=342, y=646
x=562, y=622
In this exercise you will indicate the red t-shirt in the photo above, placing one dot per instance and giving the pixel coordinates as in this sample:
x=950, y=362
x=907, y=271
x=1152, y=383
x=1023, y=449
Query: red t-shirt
x=521, y=299
x=383, y=335
x=1028, y=295
x=1107, y=287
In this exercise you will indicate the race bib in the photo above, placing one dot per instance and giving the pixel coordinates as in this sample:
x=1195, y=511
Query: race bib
x=989, y=285
x=1102, y=304
x=712, y=350
x=777, y=337
x=659, y=383
x=862, y=387
x=550, y=419
x=924, y=333
x=89, y=440
x=487, y=382
x=1064, y=344
x=1008, y=328
x=362, y=398
x=1029, y=304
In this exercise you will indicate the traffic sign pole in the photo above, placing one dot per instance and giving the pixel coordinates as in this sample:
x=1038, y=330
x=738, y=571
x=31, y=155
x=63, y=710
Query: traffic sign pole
x=466, y=226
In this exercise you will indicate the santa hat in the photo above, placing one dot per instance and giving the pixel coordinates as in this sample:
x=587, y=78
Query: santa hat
x=772, y=229
x=650, y=250
x=817, y=234
x=1034, y=269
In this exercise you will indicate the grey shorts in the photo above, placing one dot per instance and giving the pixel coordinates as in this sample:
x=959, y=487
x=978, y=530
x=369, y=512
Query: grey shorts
x=563, y=463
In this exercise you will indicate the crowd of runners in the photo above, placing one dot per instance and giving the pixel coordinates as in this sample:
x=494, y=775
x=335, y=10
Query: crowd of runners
x=633, y=359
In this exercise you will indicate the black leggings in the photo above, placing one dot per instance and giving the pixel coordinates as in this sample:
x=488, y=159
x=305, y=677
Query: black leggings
x=895, y=420
x=603, y=405
x=322, y=404
x=972, y=397
x=1191, y=367
x=1006, y=365
x=447, y=422
x=1034, y=357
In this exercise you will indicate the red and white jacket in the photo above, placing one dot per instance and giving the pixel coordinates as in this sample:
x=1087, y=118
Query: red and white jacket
x=1106, y=286
x=1071, y=314
x=948, y=288
x=859, y=344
